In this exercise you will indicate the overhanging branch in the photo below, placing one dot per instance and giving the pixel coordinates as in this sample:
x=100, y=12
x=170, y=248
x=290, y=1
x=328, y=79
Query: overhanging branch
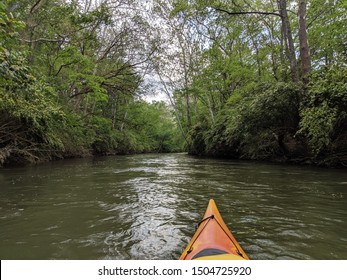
x=247, y=13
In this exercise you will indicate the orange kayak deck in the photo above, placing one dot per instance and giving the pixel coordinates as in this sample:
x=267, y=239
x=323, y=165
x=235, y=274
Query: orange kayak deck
x=213, y=240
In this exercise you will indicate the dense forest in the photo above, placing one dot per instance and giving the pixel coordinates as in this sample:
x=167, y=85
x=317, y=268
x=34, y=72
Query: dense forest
x=263, y=80
x=72, y=82
x=272, y=81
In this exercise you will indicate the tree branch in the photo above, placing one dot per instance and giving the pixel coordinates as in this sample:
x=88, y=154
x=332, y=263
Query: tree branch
x=43, y=40
x=84, y=91
x=64, y=65
x=247, y=13
x=36, y=6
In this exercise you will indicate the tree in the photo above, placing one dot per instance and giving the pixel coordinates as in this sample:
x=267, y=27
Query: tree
x=255, y=112
x=28, y=111
x=93, y=55
x=304, y=49
x=176, y=62
x=325, y=22
x=288, y=39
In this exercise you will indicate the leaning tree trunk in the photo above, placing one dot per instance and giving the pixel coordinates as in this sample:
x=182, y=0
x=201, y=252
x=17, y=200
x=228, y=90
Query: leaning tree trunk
x=304, y=49
x=282, y=4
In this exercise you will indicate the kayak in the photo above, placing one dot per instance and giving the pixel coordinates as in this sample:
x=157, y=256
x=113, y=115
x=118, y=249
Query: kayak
x=213, y=240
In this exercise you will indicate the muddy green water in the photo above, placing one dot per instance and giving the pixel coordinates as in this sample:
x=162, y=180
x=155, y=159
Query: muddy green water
x=147, y=207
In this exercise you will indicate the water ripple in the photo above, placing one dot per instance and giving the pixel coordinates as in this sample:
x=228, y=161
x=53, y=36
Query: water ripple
x=147, y=207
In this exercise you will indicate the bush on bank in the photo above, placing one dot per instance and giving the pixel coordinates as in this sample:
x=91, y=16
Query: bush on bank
x=277, y=121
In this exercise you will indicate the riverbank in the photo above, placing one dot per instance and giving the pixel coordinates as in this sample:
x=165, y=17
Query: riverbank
x=81, y=94
x=11, y=157
x=333, y=160
x=281, y=122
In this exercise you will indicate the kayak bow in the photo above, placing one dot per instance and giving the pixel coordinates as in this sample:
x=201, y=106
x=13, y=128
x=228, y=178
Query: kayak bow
x=213, y=240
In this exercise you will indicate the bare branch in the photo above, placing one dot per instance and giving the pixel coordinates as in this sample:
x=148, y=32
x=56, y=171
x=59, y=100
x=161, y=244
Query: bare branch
x=247, y=13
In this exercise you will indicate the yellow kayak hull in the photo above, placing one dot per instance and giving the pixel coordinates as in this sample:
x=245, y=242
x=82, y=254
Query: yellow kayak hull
x=213, y=240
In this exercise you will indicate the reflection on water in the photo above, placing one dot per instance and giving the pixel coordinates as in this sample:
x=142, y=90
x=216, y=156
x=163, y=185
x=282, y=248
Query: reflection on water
x=147, y=206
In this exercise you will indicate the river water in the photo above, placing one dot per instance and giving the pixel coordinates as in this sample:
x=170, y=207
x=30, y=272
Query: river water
x=147, y=207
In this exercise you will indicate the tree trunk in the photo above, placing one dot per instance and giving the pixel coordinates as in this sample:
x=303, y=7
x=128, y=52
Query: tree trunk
x=210, y=109
x=173, y=104
x=123, y=122
x=304, y=49
x=30, y=28
x=85, y=111
x=189, y=121
x=282, y=4
x=255, y=44
x=114, y=112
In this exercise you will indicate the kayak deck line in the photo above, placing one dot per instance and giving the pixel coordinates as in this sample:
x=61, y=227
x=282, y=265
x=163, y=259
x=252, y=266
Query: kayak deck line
x=192, y=243
x=207, y=219
x=213, y=239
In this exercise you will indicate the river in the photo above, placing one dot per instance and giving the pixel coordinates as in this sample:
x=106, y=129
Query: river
x=147, y=207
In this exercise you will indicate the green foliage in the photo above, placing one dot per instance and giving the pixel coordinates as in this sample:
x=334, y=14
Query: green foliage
x=252, y=124
x=196, y=141
x=324, y=112
x=326, y=35
x=9, y=26
x=69, y=86
x=73, y=136
x=27, y=107
x=267, y=121
x=14, y=71
x=317, y=124
x=271, y=106
x=151, y=128
x=60, y=97
x=246, y=108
